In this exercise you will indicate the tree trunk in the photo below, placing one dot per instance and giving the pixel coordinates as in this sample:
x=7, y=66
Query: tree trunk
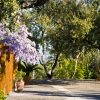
x=87, y=71
x=75, y=67
x=50, y=74
x=33, y=73
x=54, y=65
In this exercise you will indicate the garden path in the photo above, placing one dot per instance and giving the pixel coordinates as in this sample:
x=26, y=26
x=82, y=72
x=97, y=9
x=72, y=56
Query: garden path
x=59, y=90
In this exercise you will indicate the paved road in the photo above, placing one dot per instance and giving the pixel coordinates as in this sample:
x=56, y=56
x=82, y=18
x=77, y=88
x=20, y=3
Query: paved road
x=59, y=90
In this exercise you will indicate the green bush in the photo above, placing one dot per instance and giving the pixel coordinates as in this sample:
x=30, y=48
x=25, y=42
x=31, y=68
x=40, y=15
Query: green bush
x=1, y=95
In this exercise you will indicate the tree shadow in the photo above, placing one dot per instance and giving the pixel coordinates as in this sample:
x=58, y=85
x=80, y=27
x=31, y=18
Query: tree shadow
x=93, y=96
x=60, y=81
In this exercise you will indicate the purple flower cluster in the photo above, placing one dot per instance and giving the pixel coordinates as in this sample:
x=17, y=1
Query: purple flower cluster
x=19, y=44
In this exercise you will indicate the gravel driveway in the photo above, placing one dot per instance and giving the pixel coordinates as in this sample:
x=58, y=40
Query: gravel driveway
x=59, y=90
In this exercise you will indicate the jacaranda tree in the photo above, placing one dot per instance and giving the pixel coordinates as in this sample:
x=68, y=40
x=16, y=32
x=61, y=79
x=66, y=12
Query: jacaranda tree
x=19, y=44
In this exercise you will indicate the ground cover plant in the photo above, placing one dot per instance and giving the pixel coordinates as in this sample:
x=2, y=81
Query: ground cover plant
x=1, y=95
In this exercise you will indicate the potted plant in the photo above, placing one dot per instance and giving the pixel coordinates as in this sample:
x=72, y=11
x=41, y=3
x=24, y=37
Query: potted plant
x=19, y=83
x=27, y=68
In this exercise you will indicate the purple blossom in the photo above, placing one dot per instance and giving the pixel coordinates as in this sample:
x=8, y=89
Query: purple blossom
x=19, y=44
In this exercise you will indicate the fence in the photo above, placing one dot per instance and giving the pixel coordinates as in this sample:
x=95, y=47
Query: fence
x=8, y=68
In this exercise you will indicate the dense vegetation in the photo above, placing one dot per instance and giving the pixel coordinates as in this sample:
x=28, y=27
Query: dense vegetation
x=67, y=31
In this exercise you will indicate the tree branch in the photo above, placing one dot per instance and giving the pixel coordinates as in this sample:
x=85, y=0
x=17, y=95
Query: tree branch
x=55, y=63
x=31, y=3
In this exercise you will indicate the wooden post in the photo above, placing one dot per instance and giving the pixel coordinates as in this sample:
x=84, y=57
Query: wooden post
x=0, y=72
x=15, y=69
x=3, y=67
x=8, y=69
x=2, y=75
x=11, y=71
x=1, y=45
x=7, y=73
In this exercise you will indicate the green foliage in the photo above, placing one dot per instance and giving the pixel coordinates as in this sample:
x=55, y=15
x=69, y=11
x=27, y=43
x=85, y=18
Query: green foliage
x=95, y=62
x=67, y=27
x=92, y=75
x=65, y=70
x=64, y=23
x=19, y=76
x=40, y=74
x=81, y=70
x=1, y=95
x=94, y=33
x=8, y=13
x=28, y=68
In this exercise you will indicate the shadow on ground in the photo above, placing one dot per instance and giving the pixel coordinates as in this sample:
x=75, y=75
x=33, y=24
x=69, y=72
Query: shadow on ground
x=62, y=94
x=59, y=81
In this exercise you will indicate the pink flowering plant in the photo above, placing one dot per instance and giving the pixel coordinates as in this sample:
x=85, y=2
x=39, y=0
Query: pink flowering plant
x=19, y=44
